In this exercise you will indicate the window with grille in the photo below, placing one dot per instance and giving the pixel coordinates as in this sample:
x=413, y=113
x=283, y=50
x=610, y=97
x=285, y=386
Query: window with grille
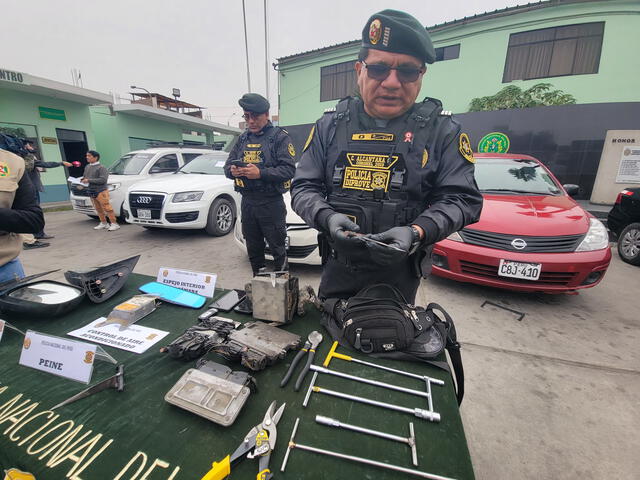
x=337, y=81
x=449, y=52
x=554, y=52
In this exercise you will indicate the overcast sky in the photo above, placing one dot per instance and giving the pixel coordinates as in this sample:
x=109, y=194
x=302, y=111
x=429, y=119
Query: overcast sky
x=197, y=45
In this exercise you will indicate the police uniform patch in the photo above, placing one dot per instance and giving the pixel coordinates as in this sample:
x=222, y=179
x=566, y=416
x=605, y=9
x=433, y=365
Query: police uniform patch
x=373, y=136
x=239, y=183
x=375, y=31
x=287, y=184
x=368, y=171
x=465, y=148
x=292, y=151
x=252, y=156
x=425, y=158
x=4, y=170
x=308, y=142
x=254, y=145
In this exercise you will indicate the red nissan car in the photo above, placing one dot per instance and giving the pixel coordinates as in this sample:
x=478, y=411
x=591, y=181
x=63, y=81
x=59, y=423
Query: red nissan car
x=531, y=237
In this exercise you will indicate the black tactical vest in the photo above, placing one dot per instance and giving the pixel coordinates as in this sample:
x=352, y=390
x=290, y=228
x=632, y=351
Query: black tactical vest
x=377, y=172
x=259, y=153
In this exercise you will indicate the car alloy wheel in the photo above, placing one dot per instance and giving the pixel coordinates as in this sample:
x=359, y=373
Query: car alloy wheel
x=629, y=244
x=224, y=217
x=220, y=218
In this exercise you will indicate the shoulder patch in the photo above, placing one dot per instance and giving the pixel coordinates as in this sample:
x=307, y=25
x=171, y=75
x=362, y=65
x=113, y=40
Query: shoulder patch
x=292, y=151
x=308, y=142
x=465, y=148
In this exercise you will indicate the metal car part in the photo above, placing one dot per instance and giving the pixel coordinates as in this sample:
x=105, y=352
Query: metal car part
x=257, y=345
x=104, y=282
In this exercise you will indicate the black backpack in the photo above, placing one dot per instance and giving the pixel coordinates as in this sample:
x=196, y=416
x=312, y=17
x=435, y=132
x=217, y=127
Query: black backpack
x=378, y=321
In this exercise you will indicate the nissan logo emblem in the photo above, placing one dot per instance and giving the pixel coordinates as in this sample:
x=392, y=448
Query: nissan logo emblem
x=148, y=200
x=518, y=244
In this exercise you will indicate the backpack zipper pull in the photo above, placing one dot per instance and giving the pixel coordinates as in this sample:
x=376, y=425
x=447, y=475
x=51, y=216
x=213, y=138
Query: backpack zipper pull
x=357, y=343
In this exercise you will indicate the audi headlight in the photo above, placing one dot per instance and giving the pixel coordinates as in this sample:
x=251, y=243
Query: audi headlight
x=113, y=186
x=596, y=238
x=455, y=236
x=187, y=197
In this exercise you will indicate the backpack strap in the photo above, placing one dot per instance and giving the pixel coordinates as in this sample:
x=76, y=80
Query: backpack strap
x=453, y=347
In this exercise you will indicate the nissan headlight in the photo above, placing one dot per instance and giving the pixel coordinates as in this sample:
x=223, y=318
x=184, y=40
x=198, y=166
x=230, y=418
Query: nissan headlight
x=596, y=238
x=187, y=197
x=456, y=237
x=113, y=186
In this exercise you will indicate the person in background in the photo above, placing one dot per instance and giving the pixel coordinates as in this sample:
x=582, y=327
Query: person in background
x=96, y=175
x=34, y=166
x=19, y=210
x=262, y=164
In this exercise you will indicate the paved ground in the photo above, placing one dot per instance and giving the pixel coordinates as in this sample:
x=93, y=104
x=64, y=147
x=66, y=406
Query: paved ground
x=554, y=396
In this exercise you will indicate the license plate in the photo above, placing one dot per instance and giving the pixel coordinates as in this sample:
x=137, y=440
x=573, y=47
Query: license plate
x=144, y=213
x=81, y=203
x=525, y=271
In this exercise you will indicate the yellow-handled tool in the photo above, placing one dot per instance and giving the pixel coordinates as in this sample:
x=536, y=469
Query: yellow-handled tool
x=258, y=442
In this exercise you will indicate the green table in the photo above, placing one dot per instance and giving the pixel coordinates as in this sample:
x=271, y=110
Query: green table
x=137, y=435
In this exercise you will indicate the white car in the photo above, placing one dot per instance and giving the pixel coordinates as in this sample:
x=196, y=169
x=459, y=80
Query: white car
x=134, y=167
x=301, y=243
x=196, y=196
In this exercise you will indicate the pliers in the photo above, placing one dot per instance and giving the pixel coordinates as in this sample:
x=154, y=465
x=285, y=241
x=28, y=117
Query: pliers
x=259, y=441
x=313, y=340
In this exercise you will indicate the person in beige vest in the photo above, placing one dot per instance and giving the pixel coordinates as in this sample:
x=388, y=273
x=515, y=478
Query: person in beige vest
x=19, y=211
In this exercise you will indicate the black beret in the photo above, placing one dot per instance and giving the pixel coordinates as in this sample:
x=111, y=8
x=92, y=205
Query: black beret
x=252, y=102
x=398, y=32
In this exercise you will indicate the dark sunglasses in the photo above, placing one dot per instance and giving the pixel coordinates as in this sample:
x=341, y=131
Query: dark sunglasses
x=380, y=72
x=252, y=116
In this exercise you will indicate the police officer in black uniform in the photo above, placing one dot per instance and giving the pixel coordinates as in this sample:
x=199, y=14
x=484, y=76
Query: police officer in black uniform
x=262, y=164
x=381, y=177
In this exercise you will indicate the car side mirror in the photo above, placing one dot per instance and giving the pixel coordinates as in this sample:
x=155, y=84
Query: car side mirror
x=572, y=189
x=161, y=170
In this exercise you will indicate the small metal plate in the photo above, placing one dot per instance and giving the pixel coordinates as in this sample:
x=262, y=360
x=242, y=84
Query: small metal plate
x=214, y=398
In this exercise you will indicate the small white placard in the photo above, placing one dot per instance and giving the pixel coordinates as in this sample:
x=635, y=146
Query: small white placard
x=59, y=356
x=1, y=328
x=195, y=282
x=220, y=163
x=135, y=338
x=629, y=167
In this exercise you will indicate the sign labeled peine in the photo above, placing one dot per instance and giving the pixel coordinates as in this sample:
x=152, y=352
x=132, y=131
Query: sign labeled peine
x=196, y=282
x=60, y=356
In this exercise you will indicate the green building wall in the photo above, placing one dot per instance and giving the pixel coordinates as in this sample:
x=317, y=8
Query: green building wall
x=483, y=48
x=19, y=108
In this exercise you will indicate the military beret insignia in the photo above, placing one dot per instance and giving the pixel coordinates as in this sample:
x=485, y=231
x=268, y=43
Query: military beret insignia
x=375, y=31
x=292, y=151
x=465, y=148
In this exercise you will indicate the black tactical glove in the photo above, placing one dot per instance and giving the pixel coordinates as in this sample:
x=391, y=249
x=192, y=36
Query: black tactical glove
x=400, y=242
x=341, y=230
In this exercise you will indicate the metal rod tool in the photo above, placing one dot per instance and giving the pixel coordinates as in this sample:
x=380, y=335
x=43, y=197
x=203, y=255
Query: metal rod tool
x=418, y=412
x=410, y=440
x=333, y=354
x=390, y=386
x=388, y=466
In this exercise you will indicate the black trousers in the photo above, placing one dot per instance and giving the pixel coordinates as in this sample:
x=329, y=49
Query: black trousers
x=265, y=220
x=340, y=281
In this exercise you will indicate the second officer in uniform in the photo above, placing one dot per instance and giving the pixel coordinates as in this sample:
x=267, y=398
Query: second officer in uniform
x=382, y=165
x=262, y=164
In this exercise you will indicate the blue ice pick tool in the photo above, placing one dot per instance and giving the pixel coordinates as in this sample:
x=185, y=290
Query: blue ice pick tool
x=173, y=295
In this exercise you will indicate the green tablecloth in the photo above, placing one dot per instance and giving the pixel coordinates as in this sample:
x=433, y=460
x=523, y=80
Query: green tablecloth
x=136, y=434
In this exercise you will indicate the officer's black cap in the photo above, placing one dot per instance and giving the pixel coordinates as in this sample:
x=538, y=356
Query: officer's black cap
x=254, y=103
x=398, y=32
